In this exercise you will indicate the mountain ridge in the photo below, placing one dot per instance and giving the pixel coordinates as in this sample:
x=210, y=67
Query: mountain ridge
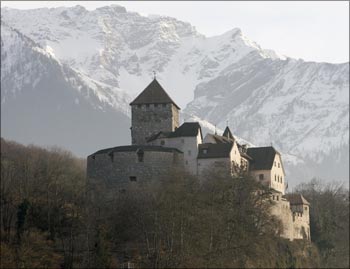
x=299, y=106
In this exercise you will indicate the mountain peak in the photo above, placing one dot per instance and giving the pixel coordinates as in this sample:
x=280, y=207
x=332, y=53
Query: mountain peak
x=112, y=8
x=235, y=31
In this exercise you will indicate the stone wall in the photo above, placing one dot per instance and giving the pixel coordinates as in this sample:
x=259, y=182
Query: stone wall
x=301, y=221
x=281, y=209
x=294, y=218
x=120, y=168
x=149, y=119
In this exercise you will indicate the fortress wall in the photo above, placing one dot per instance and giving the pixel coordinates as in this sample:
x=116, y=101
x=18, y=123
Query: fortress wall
x=301, y=226
x=281, y=209
x=124, y=167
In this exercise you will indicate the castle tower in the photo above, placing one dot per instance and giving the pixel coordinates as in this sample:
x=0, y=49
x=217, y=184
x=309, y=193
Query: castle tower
x=151, y=112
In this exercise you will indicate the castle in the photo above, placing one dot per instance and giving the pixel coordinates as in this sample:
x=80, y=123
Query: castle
x=159, y=144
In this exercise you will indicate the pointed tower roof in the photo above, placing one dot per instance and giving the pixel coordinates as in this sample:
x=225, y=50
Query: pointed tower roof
x=227, y=133
x=153, y=94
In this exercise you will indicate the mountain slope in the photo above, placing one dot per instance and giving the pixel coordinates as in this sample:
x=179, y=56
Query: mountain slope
x=301, y=107
x=47, y=103
x=122, y=49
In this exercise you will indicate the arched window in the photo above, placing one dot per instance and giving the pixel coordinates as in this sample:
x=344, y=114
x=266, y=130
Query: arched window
x=140, y=155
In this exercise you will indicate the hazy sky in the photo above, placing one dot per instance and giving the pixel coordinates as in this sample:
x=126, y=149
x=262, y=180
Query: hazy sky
x=315, y=31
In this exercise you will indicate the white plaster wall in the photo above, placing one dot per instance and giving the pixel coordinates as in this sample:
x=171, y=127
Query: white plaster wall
x=188, y=145
x=278, y=175
x=267, y=176
x=235, y=155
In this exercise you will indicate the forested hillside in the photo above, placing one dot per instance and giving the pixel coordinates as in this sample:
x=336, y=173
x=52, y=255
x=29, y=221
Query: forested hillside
x=52, y=217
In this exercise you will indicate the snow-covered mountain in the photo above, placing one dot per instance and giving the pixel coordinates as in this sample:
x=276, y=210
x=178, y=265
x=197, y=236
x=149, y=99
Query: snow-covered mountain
x=45, y=102
x=300, y=107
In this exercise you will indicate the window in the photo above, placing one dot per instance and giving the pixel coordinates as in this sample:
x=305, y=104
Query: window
x=278, y=165
x=132, y=178
x=140, y=155
x=277, y=197
x=305, y=208
x=273, y=197
x=261, y=176
x=155, y=105
x=275, y=177
x=205, y=151
x=111, y=155
x=189, y=153
x=281, y=179
x=164, y=105
x=275, y=163
x=147, y=105
x=162, y=142
x=186, y=162
x=139, y=106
